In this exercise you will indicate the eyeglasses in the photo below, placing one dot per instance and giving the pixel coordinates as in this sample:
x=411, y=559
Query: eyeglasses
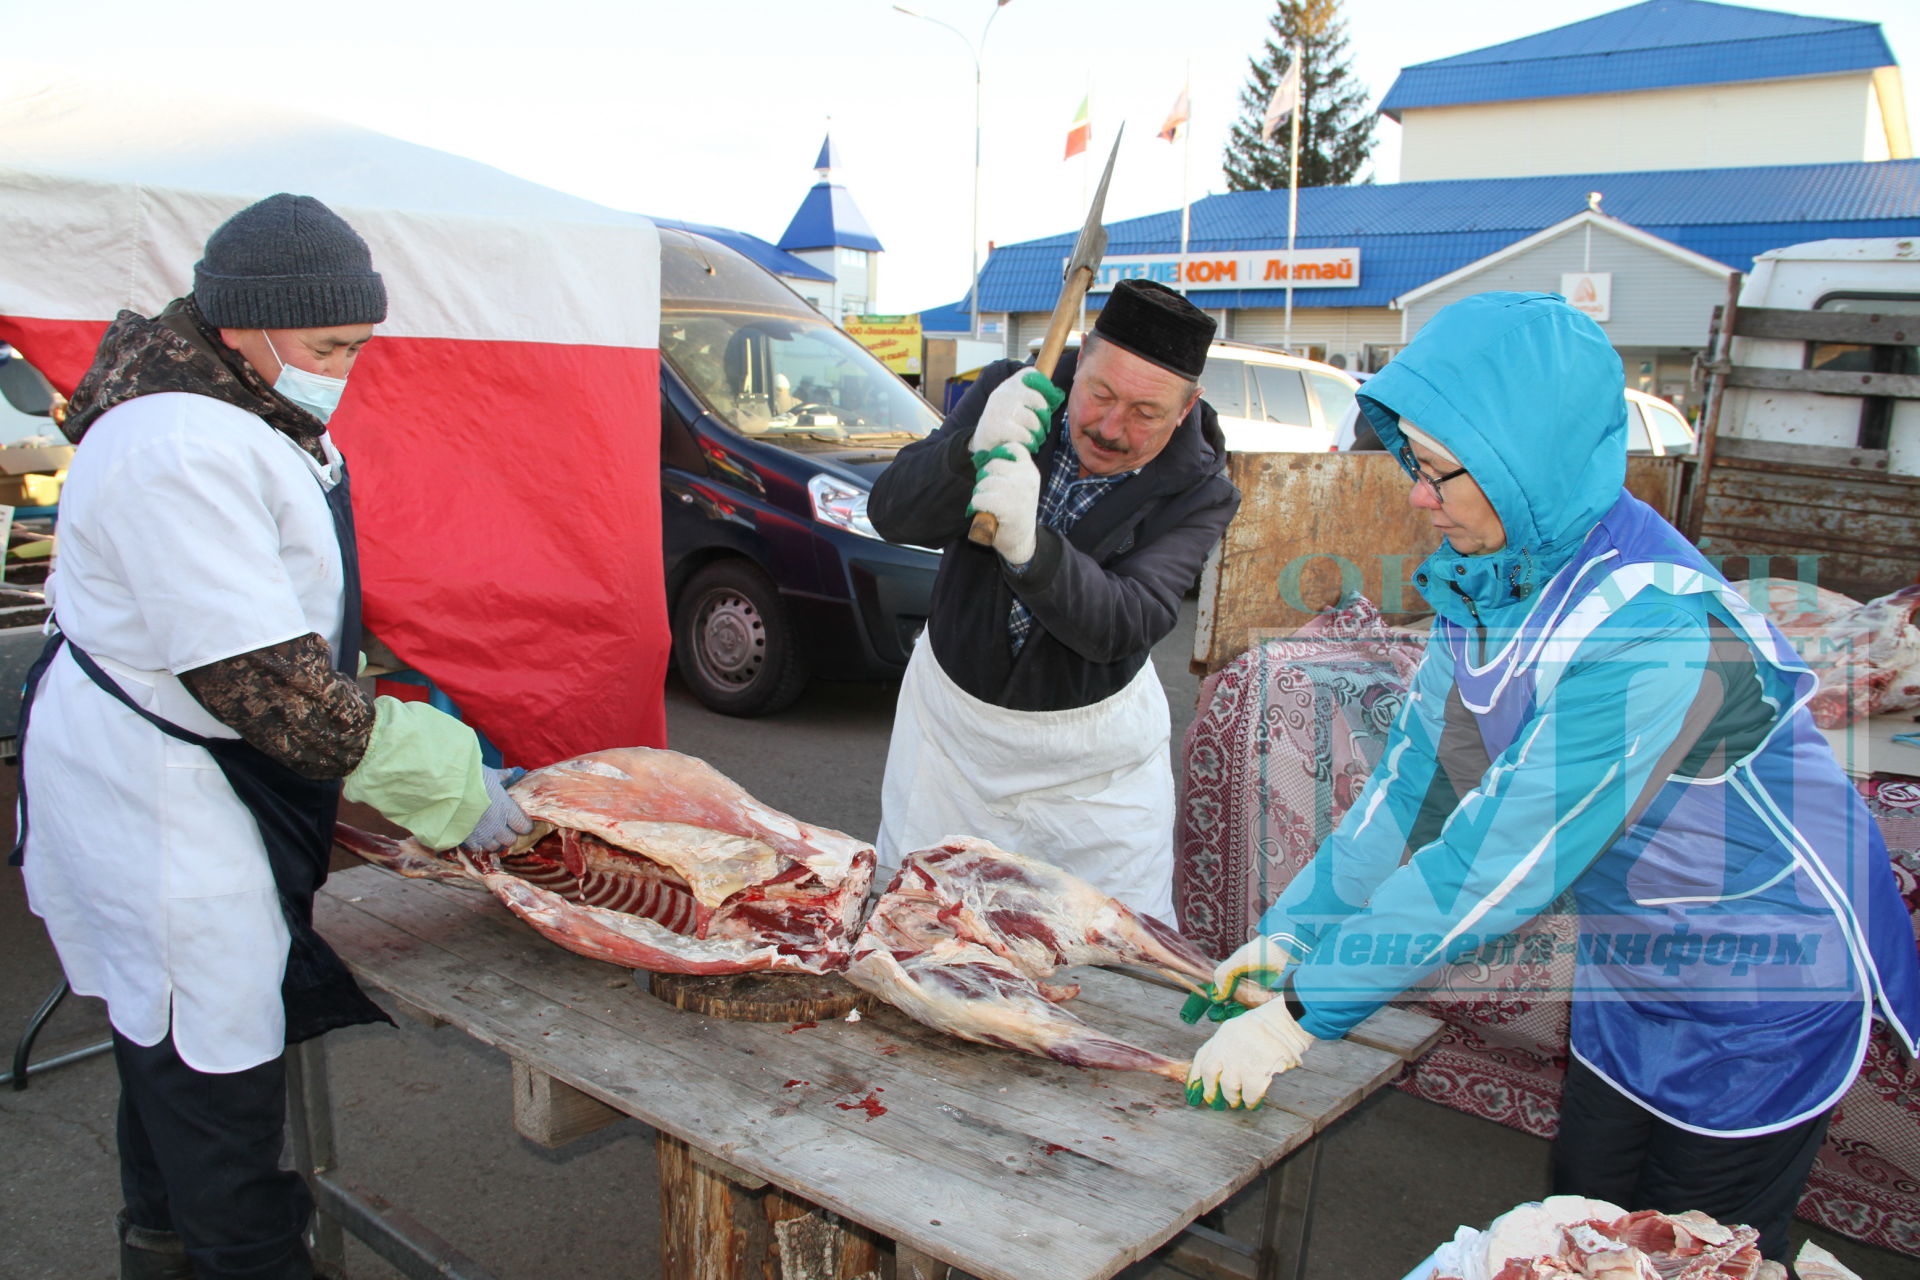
x=1420, y=475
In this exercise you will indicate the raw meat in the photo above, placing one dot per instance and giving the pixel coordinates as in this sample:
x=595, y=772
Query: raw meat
x=1569, y=1238
x=654, y=860
x=1867, y=656
x=966, y=932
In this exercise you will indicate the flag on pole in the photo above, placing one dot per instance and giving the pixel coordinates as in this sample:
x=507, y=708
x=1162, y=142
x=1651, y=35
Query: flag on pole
x=1176, y=118
x=1285, y=100
x=1079, y=133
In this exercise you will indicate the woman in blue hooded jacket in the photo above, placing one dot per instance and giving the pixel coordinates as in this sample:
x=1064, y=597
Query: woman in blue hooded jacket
x=1597, y=711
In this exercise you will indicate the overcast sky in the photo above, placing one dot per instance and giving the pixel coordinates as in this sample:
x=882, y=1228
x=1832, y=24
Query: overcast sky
x=714, y=111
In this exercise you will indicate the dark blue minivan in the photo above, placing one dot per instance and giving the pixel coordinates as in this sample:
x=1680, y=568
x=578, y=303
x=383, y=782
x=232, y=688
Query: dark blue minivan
x=773, y=425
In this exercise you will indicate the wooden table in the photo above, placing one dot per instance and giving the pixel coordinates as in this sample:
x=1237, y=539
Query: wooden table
x=937, y=1150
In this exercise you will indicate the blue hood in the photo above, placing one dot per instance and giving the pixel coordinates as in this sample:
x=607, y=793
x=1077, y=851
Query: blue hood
x=1529, y=395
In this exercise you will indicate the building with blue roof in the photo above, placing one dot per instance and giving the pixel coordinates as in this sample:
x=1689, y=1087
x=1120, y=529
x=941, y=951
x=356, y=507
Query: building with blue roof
x=829, y=233
x=1645, y=248
x=1665, y=84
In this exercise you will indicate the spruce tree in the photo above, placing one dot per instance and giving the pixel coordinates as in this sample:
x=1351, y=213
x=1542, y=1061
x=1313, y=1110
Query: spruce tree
x=1336, y=129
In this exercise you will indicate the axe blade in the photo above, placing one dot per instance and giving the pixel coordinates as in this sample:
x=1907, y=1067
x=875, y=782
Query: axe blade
x=1092, y=244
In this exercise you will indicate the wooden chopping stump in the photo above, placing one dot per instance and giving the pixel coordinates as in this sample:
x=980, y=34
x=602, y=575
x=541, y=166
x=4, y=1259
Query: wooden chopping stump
x=718, y=1222
x=721, y=1223
x=761, y=997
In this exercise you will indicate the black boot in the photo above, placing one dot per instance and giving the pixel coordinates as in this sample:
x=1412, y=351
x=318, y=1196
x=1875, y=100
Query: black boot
x=149, y=1254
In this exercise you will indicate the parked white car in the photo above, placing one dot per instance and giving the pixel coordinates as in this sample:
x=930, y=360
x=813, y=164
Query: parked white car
x=1656, y=427
x=1653, y=426
x=1268, y=401
x=1271, y=402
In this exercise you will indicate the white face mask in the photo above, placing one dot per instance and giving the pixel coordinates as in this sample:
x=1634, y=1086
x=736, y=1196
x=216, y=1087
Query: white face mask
x=318, y=394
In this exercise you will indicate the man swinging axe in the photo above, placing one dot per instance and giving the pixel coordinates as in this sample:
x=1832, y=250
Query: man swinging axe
x=1030, y=714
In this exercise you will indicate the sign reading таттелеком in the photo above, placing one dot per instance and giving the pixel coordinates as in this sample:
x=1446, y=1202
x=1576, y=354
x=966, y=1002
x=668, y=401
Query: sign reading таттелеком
x=1242, y=269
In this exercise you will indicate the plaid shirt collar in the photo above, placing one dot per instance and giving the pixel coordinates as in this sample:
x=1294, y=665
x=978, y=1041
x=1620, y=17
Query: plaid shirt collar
x=1064, y=499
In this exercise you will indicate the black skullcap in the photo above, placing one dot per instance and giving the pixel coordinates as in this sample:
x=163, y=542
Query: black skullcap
x=287, y=262
x=1153, y=322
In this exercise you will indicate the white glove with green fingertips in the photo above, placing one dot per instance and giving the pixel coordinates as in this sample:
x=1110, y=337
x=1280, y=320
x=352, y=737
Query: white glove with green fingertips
x=1235, y=1066
x=422, y=771
x=1261, y=961
x=1008, y=489
x=1017, y=413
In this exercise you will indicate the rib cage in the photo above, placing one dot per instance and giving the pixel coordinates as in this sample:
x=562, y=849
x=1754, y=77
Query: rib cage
x=606, y=877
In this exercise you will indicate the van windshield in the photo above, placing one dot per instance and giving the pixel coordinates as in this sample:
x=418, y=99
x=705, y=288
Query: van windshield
x=785, y=375
x=769, y=365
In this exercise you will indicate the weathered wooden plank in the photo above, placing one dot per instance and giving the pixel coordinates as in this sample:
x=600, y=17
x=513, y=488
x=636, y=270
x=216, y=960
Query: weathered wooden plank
x=1865, y=328
x=1405, y=1032
x=727, y=1085
x=1007, y=1080
x=552, y=1114
x=1794, y=454
x=678, y=1095
x=1900, y=386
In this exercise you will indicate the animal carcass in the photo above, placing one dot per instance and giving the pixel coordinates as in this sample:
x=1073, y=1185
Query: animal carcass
x=966, y=932
x=655, y=860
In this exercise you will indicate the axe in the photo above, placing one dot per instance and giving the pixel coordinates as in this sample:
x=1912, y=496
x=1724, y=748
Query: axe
x=1087, y=252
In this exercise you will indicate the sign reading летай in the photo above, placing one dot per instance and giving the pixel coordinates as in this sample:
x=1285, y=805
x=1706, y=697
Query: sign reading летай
x=1242, y=269
x=894, y=339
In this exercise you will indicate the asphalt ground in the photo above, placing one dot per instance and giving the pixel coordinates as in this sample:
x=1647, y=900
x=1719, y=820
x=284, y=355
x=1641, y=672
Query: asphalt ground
x=424, y=1117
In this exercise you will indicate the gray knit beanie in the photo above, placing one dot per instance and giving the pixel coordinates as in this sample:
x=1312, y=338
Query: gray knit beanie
x=287, y=262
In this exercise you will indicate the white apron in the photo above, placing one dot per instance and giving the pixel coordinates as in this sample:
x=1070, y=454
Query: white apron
x=1089, y=790
x=148, y=871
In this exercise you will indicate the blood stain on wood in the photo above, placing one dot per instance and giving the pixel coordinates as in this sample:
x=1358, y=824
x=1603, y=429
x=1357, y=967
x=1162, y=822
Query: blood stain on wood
x=869, y=1104
x=801, y=1026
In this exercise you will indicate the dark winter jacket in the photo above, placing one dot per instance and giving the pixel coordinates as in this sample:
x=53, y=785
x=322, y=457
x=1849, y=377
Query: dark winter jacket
x=1102, y=594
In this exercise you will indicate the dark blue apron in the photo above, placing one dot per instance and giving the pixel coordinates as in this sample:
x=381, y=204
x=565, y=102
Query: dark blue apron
x=295, y=814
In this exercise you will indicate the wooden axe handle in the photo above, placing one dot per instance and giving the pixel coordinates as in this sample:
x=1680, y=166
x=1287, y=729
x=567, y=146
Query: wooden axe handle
x=1065, y=311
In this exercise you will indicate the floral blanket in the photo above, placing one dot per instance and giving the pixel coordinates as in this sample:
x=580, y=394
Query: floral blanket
x=1284, y=739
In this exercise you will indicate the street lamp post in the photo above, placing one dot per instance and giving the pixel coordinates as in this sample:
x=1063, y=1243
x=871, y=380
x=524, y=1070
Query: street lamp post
x=975, y=49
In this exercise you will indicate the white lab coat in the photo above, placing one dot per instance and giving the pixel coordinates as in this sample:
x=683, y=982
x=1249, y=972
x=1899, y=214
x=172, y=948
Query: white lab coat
x=1089, y=790
x=190, y=531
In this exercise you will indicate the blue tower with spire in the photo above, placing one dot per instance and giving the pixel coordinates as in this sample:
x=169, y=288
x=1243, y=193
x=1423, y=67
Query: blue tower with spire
x=829, y=232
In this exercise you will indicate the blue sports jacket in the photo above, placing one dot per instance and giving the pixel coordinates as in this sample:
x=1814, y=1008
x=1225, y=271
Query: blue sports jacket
x=1599, y=711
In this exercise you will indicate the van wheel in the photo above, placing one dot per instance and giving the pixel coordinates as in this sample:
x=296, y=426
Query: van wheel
x=733, y=642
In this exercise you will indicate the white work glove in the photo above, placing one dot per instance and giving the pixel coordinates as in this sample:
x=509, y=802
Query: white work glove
x=1260, y=962
x=504, y=820
x=1234, y=1068
x=1008, y=489
x=1017, y=413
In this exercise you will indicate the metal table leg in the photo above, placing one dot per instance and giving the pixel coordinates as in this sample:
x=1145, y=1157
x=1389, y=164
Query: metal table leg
x=310, y=1122
x=340, y=1204
x=21, y=1050
x=1287, y=1217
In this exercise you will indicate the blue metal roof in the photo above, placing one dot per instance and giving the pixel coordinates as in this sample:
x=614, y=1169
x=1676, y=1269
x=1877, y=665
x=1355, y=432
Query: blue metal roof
x=828, y=219
x=1660, y=44
x=778, y=261
x=829, y=156
x=1411, y=232
x=952, y=318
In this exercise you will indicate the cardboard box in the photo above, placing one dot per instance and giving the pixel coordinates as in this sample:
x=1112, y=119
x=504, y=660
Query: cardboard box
x=30, y=475
x=32, y=489
x=20, y=460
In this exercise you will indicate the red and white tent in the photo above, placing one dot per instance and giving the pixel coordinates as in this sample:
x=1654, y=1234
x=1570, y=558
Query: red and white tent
x=502, y=428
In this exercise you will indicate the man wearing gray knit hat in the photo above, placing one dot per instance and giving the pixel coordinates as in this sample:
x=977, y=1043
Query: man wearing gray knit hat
x=188, y=735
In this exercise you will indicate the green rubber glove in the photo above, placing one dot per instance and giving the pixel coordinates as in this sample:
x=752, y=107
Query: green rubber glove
x=422, y=771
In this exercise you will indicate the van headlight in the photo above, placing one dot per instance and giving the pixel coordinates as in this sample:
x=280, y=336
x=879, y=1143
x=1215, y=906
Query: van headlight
x=842, y=505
